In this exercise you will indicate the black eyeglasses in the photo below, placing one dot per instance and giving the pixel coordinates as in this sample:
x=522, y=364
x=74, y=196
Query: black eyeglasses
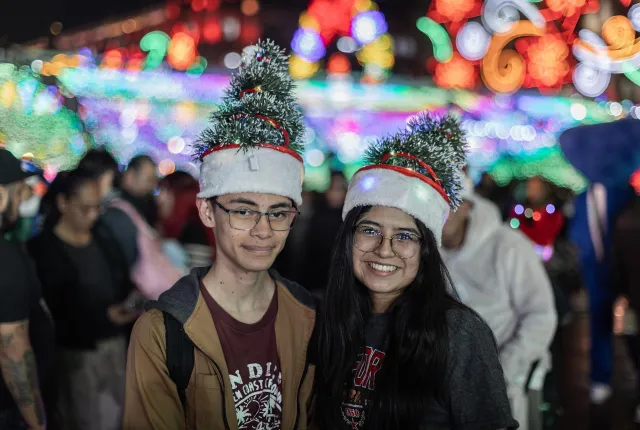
x=247, y=219
x=404, y=245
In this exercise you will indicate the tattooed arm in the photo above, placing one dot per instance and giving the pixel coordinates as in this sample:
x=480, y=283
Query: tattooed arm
x=19, y=372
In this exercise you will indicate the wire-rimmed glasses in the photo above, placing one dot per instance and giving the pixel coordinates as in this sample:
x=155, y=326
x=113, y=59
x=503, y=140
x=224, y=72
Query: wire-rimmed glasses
x=404, y=245
x=247, y=219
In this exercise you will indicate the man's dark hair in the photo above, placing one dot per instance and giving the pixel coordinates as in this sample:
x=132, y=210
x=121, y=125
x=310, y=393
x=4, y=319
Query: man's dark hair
x=98, y=162
x=138, y=161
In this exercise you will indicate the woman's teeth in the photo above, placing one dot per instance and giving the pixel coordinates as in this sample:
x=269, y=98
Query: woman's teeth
x=382, y=267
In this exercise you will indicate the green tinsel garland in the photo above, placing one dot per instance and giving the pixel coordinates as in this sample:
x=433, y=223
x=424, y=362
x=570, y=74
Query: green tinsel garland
x=438, y=142
x=262, y=86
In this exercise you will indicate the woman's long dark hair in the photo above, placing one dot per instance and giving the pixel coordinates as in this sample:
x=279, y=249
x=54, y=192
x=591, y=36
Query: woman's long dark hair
x=416, y=353
x=65, y=184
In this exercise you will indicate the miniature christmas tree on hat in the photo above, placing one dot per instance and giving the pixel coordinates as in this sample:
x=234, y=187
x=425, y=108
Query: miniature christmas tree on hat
x=416, y=170
x=253, y=142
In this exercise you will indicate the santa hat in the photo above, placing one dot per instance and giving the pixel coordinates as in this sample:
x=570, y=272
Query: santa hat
x=253, y=142
x=417, y=171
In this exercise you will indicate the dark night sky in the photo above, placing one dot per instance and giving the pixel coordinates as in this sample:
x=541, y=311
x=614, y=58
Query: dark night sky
x=25, y=20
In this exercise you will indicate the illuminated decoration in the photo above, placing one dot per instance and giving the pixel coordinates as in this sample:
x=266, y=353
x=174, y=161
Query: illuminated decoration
x=442, y=49
x=338, y=63
x=617, y=52
x=182, y=51
x=503, y=70
x=634, y=180
x=550, y=165
x=33, y=119
x=544, y=64
x=548, y=64
x=456, y=73
x=326, y=21
x=155, y=113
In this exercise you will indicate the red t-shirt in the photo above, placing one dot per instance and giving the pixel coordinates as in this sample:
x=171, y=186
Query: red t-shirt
x=251, y=353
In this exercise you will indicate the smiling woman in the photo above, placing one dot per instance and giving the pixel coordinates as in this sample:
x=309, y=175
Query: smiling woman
x=393, y=333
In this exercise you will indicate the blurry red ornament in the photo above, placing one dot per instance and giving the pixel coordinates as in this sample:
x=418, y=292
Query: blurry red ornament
x=212, y=31
x=250, y=32
x=338, y=63
x=172, y=10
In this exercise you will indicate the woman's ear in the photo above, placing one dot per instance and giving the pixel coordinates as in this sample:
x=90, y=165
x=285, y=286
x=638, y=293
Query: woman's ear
x=61, y=203
x=205, y=210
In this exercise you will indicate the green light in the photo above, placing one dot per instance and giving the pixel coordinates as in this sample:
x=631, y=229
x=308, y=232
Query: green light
x=515, y=223
x=156, y=43
x=634, y=76
x=442, y=49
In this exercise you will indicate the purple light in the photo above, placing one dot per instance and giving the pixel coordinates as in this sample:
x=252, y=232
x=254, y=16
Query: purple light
x=550, y=208
x=519, y=209
x=308, y=44
x=368, y=26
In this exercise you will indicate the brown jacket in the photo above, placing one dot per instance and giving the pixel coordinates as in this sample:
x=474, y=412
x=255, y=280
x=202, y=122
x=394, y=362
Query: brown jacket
x=152, y=400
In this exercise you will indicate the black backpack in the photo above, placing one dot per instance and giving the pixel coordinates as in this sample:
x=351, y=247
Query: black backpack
x=179, y=356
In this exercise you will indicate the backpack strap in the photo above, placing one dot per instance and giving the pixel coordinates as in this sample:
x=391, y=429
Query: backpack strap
x=180, y=356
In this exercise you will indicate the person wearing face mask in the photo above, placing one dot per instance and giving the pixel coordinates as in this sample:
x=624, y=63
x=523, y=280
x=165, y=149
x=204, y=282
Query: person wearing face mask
x=85, y=283
x=499, y=275
x=26, y=330
x=396, y=349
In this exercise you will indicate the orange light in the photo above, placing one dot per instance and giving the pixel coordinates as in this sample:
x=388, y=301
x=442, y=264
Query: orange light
x=635, y=181
x=129, y=26
x=56, y=28
x=166, y=167
x=250, y=7
x=455, y=10
x=456, y=73
x=112, y=59
x=182, y=51
x=537, y=216
x=548, y=60
x=566, y=7
x=338, y=63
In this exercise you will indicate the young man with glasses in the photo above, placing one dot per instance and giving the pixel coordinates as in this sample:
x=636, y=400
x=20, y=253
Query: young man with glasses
x=244, y=329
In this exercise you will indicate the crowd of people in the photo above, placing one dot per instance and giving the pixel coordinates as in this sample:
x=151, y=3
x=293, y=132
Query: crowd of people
x=400, y=300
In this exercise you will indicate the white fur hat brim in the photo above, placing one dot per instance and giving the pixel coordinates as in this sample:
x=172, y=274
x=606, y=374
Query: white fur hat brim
x=383, y=185
x=265, y=169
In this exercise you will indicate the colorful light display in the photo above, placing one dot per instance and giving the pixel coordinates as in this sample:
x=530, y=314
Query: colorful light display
x=356, y=25
x=161, y=114
x=548, y=54
x=34, y=119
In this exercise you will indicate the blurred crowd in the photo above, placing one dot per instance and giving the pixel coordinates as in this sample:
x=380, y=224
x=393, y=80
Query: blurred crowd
x=103, y=239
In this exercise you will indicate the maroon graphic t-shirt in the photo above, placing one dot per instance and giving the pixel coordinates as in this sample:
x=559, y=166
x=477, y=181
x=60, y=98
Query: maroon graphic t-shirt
x=251, y=353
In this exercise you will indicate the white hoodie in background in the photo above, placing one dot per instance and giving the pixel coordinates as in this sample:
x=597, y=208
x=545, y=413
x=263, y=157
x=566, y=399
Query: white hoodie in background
x=498, y=274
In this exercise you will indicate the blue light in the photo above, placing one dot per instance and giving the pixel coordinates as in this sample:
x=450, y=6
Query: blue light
x=368, y=183
x=519, y=209
x=308, y=44
x=550, y=208
x=368, y=26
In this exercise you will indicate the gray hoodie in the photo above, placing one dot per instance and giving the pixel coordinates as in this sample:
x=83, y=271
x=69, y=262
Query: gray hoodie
x=498, y=274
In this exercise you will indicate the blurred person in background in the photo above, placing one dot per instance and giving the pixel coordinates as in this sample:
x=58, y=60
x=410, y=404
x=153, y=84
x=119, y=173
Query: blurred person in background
x=26, y=330
x=85, y=283
x=179, y=218
x=498, y=274
x=625, y=263
x=104, y=168
x=321, y=233
x=129, y=220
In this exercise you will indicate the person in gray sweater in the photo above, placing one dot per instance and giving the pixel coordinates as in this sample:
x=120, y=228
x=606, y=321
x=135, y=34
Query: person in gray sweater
x=497, y=273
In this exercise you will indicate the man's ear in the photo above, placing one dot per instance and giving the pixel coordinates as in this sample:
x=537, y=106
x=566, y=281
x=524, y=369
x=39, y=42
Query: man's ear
x=205, y=210
x=4, y=198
